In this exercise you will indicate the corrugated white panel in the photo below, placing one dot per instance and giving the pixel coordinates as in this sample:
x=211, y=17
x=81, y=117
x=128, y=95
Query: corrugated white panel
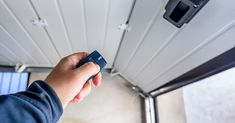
x=12, y=30
x=73, y=26
x=155, y=51
x=7, y=40
x=4, y=60
x=50, y=11
x=84, y=25
x=24, y=13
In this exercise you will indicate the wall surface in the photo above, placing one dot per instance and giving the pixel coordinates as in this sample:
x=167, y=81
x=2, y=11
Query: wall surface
x=211, y=100
x=170, y=107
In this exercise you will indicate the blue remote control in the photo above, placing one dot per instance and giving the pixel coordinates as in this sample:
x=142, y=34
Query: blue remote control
x=94, y=57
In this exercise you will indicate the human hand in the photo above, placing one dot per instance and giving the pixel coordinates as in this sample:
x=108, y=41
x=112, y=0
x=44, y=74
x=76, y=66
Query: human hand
x=69, y=82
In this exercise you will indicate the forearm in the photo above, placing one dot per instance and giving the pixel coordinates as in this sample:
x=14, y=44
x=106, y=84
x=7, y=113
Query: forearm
x=38, y=104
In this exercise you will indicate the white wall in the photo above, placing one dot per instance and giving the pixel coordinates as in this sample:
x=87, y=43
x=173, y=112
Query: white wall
x=211, y=100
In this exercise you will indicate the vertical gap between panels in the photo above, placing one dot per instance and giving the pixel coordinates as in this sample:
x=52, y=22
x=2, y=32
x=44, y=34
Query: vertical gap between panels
x=84, y=16
x=143, y=36
x=62, y=18
x=107, y=15
x=45, y=29
x=24, y=30
x=124, y=32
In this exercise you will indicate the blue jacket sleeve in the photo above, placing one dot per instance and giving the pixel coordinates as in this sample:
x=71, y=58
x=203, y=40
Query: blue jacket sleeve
x=38, y=104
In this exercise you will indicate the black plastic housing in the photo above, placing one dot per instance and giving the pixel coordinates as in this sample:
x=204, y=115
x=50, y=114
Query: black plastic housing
x=179, y=12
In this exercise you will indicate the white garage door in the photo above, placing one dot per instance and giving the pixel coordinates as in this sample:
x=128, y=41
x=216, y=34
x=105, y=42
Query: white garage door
x=155, y=51
x=73, y=25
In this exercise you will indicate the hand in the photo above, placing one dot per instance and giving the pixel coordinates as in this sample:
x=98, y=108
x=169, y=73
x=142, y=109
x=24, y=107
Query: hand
x=69, y=82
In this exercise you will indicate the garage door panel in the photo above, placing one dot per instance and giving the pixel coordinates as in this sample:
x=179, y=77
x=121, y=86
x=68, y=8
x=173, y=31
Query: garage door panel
x=7, y=40
x=50, y=10
x=158, y=38
x=74, y=19
x=79, y=25
x=217, y=44
x=139, y=28
x=150, y=67
x=113, y=35
x=190, y=37
x=4, y=60
x=12, y=25
x=25, y=14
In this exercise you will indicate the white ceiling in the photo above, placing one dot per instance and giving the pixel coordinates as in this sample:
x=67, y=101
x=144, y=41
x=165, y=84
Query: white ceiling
x=73, y=25
x=155, y=52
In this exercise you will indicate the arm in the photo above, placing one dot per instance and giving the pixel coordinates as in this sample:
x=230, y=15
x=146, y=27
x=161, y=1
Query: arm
x=44, y=100
x=39, y=104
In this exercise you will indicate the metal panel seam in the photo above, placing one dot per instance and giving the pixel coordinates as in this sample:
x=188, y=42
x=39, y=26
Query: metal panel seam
x=19, y=45
x=24, y=30
x=201, y=45
x=61, y=16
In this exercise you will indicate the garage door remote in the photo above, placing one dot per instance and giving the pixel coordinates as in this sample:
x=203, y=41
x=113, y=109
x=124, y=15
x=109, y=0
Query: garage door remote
x=94, y=57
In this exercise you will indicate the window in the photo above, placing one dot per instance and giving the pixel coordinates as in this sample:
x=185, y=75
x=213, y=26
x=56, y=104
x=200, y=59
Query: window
x=11, y=82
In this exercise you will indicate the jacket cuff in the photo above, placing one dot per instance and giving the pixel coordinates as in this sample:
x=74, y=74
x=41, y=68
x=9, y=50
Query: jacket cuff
x=51, y=100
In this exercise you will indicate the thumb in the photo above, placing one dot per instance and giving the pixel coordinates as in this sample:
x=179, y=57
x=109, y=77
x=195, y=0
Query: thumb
x=87, y=70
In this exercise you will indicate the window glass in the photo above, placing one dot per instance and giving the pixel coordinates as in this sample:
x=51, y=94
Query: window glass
x=11, y=82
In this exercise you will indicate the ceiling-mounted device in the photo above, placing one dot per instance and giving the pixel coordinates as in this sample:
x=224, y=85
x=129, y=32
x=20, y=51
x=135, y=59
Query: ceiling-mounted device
x=179, y=12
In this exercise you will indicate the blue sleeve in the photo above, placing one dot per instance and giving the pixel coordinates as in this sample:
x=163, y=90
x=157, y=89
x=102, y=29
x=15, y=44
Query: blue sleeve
x=39, y=104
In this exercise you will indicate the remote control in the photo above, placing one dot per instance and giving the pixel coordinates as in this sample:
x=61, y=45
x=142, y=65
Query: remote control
x=94, y=57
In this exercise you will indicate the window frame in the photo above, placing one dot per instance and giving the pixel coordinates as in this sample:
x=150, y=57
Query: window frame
x=214, y=66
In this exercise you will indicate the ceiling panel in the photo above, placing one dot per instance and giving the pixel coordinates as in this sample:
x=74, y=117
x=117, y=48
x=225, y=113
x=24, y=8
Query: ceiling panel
x=143, y=17
x=4, y=60
x=50, y=10
x=152, y=53
x=15, y=30
x=24, y=13
x=84, y=25
x=72, y=26
x=160, y=51
x=7, y=40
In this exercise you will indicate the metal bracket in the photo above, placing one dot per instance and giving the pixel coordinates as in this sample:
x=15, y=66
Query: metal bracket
x=124, y=27
x=20, y=68
x=39, y=22
x=135, y=88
